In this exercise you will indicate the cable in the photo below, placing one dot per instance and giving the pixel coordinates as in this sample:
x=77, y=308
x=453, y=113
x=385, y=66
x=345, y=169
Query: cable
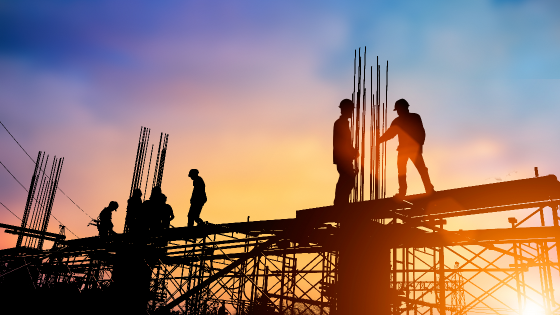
x=75, y=203
x=32, y=160
x=64, y=226
x=14, y=176
x=10, y=211
x=17, y=141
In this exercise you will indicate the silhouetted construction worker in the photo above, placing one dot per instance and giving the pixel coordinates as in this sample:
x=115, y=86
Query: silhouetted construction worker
x=105, y=224
x=166, y=212
x=344, y=153
x=408, y=126
x=198, y=198
x=133, y=209
x=222, y=309
x=149, y=218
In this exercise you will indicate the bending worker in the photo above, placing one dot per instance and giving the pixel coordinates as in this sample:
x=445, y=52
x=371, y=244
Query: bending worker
x=105, y=220
x=198, y=198
x=344, y=153
x=408, y=126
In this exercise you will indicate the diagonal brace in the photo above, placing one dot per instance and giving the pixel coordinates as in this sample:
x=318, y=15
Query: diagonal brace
x=255, y=251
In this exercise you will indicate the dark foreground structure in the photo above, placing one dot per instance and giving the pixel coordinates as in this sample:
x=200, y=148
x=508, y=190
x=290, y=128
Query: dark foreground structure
x=382, y=257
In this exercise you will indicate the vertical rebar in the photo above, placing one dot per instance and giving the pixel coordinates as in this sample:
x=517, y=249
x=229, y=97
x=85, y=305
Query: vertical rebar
x=148, y=175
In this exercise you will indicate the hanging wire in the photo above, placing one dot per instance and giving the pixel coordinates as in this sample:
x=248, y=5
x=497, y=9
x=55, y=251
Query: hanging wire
x=32, y=160
x=10, y=211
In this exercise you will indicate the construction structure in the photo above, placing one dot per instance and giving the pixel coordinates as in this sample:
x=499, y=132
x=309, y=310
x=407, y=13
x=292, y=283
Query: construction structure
x=382, y=257
x=376, y=256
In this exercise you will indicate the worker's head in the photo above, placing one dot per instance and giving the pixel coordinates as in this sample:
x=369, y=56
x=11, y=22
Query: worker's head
x=193, y=173
x=156, y=192
x=113, y=205
x=346, y=108
x=137, y=192
x=401, y=106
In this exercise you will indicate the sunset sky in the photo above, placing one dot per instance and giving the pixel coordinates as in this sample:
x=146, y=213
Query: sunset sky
x=248, y=92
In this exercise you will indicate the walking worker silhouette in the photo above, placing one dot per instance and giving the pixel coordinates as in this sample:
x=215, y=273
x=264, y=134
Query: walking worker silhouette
x=344, y=153
x=408, y=126
x=198, y=198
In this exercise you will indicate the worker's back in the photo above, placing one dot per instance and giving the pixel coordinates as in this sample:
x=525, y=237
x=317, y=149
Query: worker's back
x=199, y=190
x=410, y=131
x=106, y=216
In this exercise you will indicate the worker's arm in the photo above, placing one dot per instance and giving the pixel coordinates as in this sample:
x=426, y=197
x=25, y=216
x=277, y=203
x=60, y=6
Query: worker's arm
x=389, y=134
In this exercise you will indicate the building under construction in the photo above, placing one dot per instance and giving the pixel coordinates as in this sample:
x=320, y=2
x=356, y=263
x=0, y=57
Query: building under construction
x=376, y=255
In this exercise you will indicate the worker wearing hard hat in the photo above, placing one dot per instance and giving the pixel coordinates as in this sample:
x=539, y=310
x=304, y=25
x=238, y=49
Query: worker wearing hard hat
x=408, y=126
x=344, y=153
x=198, y=198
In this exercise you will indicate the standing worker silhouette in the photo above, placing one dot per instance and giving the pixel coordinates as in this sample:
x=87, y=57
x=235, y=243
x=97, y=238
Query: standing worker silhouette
x=344, y=153
x=134, y=204
x=166, y=213
x=408, y=126
x=198, y=198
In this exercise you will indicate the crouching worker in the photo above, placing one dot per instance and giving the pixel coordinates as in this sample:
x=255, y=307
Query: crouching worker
x=105, y=220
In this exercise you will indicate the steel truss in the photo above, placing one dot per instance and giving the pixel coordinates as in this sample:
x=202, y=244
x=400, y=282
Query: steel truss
x=304, y=265
x=498, y=277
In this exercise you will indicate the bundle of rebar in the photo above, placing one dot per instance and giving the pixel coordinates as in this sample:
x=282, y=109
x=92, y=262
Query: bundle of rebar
x=140, y=163
x=377, y=126
x=160, y=161
x=140, y=159
x=40, y=201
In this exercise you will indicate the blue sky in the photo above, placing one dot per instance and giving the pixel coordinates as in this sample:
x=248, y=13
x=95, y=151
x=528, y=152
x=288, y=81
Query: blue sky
x=248, y=92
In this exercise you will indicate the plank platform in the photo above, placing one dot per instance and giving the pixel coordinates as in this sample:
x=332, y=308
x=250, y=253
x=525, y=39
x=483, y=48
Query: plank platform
x=510, y=195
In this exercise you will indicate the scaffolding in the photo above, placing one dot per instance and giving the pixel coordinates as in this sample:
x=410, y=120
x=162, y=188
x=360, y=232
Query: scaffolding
x=306, y=265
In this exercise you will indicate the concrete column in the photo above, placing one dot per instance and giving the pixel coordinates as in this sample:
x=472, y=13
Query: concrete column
x=364, y=269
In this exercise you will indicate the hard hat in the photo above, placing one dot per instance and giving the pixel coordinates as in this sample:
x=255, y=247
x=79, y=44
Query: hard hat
x=346, y=103
x=193, y=172
x=113, y=205
x=402, y=103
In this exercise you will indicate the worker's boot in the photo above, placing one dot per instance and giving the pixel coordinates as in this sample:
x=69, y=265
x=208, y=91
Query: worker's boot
x=402, y=187
x=426, y=181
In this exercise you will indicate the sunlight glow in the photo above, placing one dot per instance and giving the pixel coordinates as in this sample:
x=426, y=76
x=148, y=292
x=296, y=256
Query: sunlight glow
x=533, y=309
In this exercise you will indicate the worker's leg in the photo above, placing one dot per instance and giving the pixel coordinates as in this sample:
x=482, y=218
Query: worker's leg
x=199, y=221
x=194, y=212
x=418, y=161
x=345, y=183
x=339, y=191
x=402, y=159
